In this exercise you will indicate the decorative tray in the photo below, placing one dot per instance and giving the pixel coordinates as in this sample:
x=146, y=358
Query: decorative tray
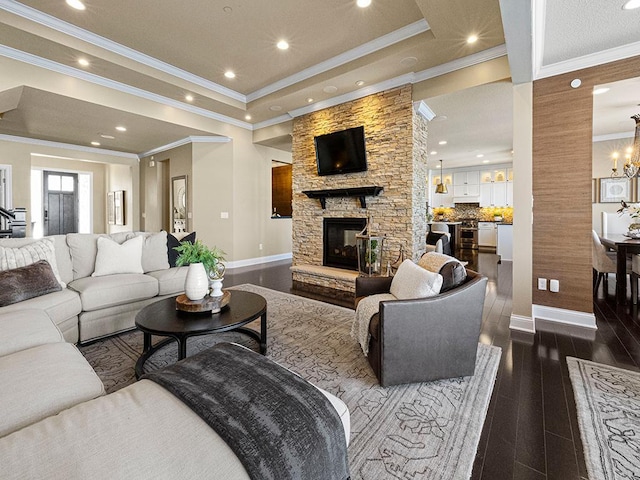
x=635, y=235
x=207, y=304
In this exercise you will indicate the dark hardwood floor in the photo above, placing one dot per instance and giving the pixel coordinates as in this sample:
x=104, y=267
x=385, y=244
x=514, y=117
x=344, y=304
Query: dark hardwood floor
x=531, y=430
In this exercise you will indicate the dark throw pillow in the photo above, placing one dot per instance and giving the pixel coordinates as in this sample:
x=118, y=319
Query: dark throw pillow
x=23, y=283
x=173, y=242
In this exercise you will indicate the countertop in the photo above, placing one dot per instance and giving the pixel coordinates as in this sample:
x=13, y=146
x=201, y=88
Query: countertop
x=444, y=221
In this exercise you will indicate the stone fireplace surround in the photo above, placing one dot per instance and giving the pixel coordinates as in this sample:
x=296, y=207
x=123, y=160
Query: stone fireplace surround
x=396, y=146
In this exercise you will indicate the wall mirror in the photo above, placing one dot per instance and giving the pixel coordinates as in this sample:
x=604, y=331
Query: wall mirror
x=179, y=202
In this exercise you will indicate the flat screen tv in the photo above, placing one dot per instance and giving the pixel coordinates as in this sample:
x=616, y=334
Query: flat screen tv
x=341, y=152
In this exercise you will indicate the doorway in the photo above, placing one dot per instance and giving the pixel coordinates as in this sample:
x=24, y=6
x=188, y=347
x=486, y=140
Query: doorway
x=60, y=202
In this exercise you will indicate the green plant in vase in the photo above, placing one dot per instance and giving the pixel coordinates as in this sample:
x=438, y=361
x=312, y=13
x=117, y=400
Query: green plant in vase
x=198, y=252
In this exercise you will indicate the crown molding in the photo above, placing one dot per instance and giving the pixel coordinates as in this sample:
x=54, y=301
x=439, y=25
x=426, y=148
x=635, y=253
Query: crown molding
x=460, y=63
x=40, y=62
x=184, y=141
x=612, y=136
x=68, y=29
x=68, y=146
x=590, y=60
x=424, y=111
x=360, y=51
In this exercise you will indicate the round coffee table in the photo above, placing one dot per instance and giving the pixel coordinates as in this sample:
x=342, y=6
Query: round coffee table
x=162, y=318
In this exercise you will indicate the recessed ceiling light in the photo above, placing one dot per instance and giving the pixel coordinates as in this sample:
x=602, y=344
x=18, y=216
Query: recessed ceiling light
x=480, y=155
x=631, y=5
x=309, y=100
x=600, y=91
x=433, y=153
x=275, y=108
x=330, y=89
x=95, y=144
x=359, y=83
x=120, y=128
x=363, y=3
x=442, y=142
x=575, y=83
x=84, y=62
x=229, y=74
x=247, y=117
x=485, y=161
x=472, y=39
x=227, y=9
x=77, y=4
x=188, y=98
x=282, y=45
x=408, y=61
x=108, y=137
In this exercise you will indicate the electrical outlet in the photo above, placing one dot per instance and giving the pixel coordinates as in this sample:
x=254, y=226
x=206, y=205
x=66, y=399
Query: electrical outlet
x=260, y=246
x=542, y=284
x=224, y=214
x=554, y=286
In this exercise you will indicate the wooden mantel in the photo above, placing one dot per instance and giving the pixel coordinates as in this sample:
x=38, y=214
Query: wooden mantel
x=360, y=192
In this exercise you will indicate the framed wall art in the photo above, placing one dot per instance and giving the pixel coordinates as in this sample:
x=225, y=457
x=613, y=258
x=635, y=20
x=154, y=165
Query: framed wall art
x=612, y=190
x=118, y=207
x=111, y=212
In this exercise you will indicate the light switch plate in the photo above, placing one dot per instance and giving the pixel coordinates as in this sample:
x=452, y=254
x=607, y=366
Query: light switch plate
x=554, y=286
x=542, y=284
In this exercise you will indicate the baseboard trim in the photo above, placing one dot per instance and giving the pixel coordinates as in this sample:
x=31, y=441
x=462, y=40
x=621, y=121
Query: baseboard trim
x=258, y=260
x=568, y=317
x=522, y=323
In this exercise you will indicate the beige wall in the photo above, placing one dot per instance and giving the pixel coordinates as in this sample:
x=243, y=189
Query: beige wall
x=22, y=154
x=121, y=177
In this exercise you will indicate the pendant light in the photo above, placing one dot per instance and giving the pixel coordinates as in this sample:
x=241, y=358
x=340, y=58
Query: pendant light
x=441, y=187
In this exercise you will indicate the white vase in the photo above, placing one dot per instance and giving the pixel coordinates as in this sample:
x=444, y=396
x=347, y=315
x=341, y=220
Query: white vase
x=196, y=284
x=216, y=287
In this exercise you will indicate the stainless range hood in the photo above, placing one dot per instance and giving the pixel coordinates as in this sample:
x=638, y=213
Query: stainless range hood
x=467, y=201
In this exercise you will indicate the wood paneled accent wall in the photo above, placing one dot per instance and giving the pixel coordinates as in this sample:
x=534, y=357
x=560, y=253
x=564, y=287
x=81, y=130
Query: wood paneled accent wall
x=562, y=138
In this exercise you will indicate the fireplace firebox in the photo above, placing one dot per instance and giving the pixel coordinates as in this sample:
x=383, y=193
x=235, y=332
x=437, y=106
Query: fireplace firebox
x=339, y=242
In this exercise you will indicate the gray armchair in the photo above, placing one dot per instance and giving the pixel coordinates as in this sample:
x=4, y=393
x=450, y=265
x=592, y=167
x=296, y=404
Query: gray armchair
x=428, y=338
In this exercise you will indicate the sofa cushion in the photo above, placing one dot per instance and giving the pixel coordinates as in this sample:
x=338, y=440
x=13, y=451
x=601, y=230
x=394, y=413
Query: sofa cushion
x=43, y=249
x=452, y=270
x=173, y=242
x=154, y=251
x=171, y=280
x=110, y=290
x=23, y=283
x=84, y=248
x=413, y=281
x=59, y=306
x=114, y=258
x=25, y=329
x=43, y=381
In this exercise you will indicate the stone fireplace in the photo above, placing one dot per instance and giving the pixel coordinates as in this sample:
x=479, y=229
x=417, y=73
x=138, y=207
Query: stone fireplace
x=339, y=242
x=396, y=149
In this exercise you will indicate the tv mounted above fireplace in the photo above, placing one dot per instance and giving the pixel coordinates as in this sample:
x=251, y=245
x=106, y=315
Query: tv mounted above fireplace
x=341, y=152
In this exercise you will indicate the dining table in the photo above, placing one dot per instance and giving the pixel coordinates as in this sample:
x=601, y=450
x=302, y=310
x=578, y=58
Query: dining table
x=624, y=246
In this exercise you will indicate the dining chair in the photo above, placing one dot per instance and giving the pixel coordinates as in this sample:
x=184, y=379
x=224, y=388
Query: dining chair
x=615, y=222
x=603, y=263
x=439, y=227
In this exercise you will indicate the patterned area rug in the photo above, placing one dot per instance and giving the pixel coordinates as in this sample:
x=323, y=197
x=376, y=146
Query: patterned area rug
x=608, y=403
x=418, y=431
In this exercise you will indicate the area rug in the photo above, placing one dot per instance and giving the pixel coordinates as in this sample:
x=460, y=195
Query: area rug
x=417, y=431
x=608, y=404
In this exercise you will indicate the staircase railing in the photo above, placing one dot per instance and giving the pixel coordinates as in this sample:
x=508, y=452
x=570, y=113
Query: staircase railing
x=13, y=223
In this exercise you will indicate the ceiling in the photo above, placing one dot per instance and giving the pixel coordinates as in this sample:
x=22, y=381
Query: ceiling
x=163, y=50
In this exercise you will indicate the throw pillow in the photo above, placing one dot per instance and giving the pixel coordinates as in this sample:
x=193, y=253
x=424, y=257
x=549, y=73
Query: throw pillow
x=113, y=258
x=413, y=281
x=154, y=251
x=173, y=242
x=43, y=249
x=23, y=283
x=452, y=270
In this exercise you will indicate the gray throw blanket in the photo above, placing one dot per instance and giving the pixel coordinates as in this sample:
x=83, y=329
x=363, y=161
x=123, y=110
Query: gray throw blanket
x=279, y=425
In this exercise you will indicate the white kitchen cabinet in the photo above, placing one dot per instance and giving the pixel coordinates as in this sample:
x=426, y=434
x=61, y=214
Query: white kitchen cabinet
x=466, y=178
x=487, y=234
x=493, y=194
x=466, y=190
x=498, y=175
x=509, y=194
x=505, y=242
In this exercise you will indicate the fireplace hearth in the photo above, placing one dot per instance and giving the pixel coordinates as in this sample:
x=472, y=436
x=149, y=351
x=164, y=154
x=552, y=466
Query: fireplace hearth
x=339, y=242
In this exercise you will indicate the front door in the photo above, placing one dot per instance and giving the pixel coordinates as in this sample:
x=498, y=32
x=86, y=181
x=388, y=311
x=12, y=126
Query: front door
x=60, y=203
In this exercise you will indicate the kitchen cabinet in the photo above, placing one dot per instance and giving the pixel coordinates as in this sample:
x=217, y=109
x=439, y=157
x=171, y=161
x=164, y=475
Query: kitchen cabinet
x=466, y=178
x=505, y=242
x=489, y=176
x=466, y=190
x=493, y=194
x=487, y=234
x=509, y=194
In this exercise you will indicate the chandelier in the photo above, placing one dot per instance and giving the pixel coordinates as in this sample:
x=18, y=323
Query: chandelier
x=631, y=166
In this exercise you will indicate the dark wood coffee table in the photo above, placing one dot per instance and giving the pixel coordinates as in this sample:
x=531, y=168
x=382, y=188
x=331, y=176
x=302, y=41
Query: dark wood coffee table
x=162, y=318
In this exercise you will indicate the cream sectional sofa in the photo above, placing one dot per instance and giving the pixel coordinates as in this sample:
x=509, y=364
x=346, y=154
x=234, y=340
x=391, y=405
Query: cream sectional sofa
x=89, y=307
x=57, y=423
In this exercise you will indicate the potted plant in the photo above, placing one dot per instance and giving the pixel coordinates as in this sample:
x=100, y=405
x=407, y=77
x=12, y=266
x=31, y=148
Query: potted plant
x=204, y=263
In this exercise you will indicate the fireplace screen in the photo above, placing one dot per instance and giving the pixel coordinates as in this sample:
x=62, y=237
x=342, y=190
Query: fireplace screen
x=339, y=242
